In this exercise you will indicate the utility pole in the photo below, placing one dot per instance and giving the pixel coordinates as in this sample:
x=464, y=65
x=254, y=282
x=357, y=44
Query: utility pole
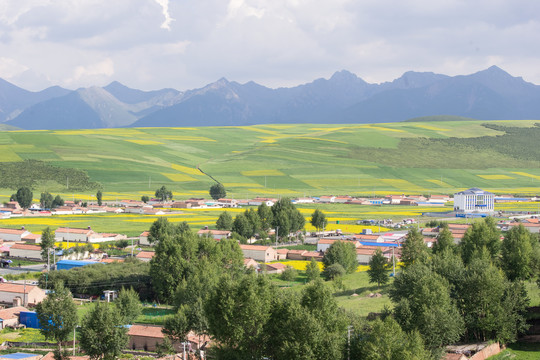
x=24, y=293
x=277, y=235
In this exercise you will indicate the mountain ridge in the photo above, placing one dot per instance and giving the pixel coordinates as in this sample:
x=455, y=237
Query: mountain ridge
x=490, y=94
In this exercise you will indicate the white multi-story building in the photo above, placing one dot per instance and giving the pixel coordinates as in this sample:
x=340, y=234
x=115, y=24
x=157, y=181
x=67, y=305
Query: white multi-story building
x=474, y=200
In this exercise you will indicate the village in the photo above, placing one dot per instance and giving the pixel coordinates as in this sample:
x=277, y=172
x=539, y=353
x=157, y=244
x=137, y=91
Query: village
x=79, y=247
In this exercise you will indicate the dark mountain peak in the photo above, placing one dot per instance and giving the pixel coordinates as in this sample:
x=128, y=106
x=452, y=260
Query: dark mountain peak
x=344, y=75
x=493, y=72
x=415, y=79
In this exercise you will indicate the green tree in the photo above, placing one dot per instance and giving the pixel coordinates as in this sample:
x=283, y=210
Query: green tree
x=129, y=305
x=47, y=242
x=145, y=199
x=217, y=191
x=46, y=200
x=313, y=271
x=414, y=250
x=385, y=340
x=99, y=197
x=378, y=268
x=254, y=220
x=318, y=220
x=492, y=307
x=518, y=253
x=289, y=274
x=242, y=226
x=334, y=271
x=24, y=197
x=343, y=253
x=177, y=326
x=423, y=303
x=237, y=313
x=287, y=217
x=480, y=235
x=58, y=201
x=163, y=194
x=57, y=315
x=266, y=216
x=101, y=335
x=225, y=221
x=167, y=266
x=297, y=322
x=445, y=240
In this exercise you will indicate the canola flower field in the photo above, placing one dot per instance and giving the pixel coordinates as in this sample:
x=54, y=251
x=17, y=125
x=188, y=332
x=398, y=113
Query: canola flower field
x=273, y=160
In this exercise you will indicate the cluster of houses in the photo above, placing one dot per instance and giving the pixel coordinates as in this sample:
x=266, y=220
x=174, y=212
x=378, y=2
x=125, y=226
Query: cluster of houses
x=21, y=243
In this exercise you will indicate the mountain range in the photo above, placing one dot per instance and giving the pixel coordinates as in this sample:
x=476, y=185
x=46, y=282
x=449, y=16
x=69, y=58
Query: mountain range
x=490, y=94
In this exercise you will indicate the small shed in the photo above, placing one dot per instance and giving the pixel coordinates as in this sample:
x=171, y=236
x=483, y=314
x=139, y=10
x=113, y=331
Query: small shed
x=29, y=319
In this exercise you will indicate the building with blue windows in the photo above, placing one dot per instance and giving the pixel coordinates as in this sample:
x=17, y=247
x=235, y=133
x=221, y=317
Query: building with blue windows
x=474, y=200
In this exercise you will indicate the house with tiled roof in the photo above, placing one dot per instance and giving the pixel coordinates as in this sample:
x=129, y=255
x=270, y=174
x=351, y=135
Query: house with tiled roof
x=143, y=238
x=10, y=316
x=20, y=294
x=216, y=234
x=25, y=251
x=75, y=234
x=148, y=337
x=13, y=234
x=323, y=244
x=275, y=268
x=145, y=255
x=259, y=252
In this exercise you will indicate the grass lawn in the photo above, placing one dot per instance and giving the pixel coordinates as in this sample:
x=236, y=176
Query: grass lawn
x=22, y=335
x=357, y=295
x=519, y=351
x=150, y=315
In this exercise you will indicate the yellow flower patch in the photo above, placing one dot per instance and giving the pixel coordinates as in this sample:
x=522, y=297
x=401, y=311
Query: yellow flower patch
x=8, y=155
x=186, y=138
x=268, y=172
x=186, y=169
x=145, y=142
x=179, y=177
x=429, y=127
x=495, y=177
x=320, y=139
x=242, y=185
x=382, y=128
x=439, y=182
x=526, y=174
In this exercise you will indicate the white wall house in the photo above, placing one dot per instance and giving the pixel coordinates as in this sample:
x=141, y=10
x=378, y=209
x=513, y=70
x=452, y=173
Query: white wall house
x=13, y=234
x=73, y=234
x=474, y=200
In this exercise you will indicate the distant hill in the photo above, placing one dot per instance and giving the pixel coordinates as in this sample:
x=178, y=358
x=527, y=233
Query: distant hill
x=491, y=94
x=440, y=118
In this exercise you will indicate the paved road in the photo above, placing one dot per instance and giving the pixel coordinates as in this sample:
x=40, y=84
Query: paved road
x=19, y=270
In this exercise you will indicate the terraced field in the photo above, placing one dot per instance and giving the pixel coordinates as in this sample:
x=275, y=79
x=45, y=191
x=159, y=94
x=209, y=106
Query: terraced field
x=283, y=160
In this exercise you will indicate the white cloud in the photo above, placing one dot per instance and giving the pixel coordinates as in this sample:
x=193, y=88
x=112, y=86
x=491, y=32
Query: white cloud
x=165, y=6
x=104, y=68
x=273, y=42
x=10, y=68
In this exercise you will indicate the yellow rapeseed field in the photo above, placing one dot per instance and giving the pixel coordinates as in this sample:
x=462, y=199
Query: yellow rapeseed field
x=267, y=172
x=144, y=142
x=179, y=177
x=495, y=177
x=526, y=174
x=186, y=169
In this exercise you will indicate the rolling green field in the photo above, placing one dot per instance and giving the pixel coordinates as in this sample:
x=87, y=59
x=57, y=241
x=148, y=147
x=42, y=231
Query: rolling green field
x=287, y=160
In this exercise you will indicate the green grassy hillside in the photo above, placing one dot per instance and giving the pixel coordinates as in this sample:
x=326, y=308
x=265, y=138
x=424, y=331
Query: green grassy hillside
x=293, y=160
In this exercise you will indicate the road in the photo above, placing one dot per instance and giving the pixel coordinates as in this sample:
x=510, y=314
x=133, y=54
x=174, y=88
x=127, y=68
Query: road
x=14, y=270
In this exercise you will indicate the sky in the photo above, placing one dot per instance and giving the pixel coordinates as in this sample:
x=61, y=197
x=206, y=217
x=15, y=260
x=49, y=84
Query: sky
x=186, y=44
